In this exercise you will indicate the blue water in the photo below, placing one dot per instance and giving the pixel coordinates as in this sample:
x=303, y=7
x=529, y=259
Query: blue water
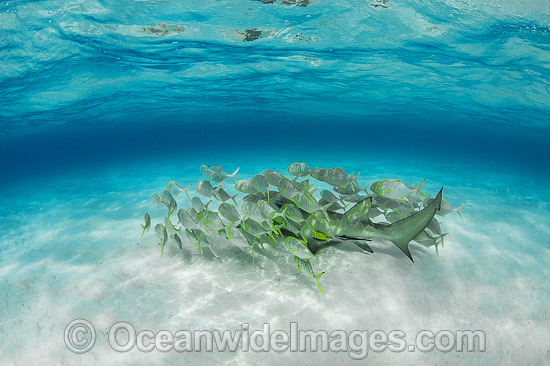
x=104, y=102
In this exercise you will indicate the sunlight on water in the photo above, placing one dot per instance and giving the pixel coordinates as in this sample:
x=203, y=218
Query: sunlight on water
x=103, y=62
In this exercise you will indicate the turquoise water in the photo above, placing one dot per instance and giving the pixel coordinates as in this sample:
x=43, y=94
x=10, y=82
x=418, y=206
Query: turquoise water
x=103, y=103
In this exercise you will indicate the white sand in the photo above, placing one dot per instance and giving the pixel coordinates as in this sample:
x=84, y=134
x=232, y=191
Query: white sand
x=70, y=248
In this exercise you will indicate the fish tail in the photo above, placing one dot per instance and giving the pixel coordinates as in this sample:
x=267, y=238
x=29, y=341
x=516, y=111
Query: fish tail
x=235, y=174
x=458, y=211
x=441, y=238
x=316, y=277
x=227, y=232
x=417, y=189
x=355, y=180
x=213, y=252
x=185, y=191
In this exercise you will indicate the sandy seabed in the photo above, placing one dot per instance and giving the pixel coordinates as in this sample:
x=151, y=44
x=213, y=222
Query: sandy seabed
x=70, y=248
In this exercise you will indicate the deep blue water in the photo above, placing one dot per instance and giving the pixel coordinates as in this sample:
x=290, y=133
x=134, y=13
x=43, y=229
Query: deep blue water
x=104, y=102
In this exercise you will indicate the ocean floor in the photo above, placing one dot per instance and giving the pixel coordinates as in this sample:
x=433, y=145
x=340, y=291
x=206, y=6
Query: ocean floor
x=70, y=248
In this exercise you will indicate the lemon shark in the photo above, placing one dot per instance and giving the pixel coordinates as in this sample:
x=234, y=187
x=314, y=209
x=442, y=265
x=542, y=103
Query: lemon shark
x=354, y=225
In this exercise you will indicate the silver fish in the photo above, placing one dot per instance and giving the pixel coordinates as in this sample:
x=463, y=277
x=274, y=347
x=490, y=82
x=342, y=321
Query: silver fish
x=259, y=182
x=251, y=209
x=221, y=176
x=200, y=237
x=297, y=247
x=299, y=170
x=308, y=203
x=348, y=189
x=319, y=174
x=193, y=213
x=156, y=199
x=267, y=210
x=252, y=227
x=207, y=171
x=234, y=236
x=176, y=240
x=305, y=266
x=435, y=227
x=353, y=198
x=446, y=208
x=272, y=177
x=287, y=189
x=186, y=220
x=198, y=205
x=245, y=186
x=175, y=189
x=395, y=189
x=229, y=212
x=331, y=206
x=221, y=195
x=426, y=239
x=301, y=186
x=205, y=188
x=337, y=177
x=160, y=232
x=210, y=220
x=393, y=217
x=169, y=227
x=329, y=196
x=167, y=200
x=147, y=224
x=291, y=212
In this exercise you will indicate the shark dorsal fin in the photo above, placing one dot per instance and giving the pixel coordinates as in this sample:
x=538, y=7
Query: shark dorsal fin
x=360, y=210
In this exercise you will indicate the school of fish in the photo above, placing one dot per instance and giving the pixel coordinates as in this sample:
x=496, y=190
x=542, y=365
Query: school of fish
x=292, y=215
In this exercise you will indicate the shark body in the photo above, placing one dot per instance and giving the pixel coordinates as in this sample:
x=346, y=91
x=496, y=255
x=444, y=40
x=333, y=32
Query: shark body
x=326, y=229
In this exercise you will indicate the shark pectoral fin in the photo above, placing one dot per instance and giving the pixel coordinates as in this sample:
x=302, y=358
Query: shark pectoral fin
x=403, y=231
x=363, y=245
x=345, y=237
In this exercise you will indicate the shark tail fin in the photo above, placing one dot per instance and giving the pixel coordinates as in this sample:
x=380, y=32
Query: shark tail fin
x=403, y=231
